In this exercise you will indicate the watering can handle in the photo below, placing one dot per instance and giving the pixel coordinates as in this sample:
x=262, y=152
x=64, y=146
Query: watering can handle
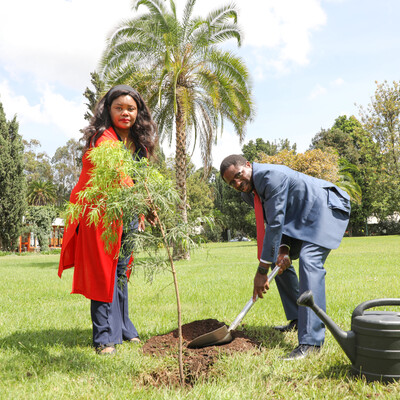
x=359, y=310
x=250, y=303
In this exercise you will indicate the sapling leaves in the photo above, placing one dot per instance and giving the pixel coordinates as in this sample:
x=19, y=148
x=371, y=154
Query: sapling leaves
x=119, y=190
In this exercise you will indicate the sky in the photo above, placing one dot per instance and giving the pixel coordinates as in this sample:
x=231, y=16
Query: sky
x=310, y=61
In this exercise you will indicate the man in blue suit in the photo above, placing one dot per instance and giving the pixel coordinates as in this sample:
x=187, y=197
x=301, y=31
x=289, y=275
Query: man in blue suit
x=305, y=218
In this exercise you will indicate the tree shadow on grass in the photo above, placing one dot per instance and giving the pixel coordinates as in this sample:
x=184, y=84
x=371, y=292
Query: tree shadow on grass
x=47, y=265
x=47, y=337
x=42, y=352
x=42, y=265
x=268, y=337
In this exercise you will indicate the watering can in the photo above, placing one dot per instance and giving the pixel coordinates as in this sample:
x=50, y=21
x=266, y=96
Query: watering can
x=373, y=343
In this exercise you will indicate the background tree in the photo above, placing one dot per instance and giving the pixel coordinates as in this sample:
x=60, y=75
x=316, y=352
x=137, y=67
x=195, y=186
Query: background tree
x=237, y=216
x=37, y=164
x=381, y=119
x=41, y=193
x=12, y=183
x=39, y=219
x=368, y=176
x=200, y=192
x=200, y=195
x=188, y=82
x=352, y=144
x=317, y=163
x=252, y=150
x=67, y=164
x=336, y=139
x=369, y=171
x=93, y=96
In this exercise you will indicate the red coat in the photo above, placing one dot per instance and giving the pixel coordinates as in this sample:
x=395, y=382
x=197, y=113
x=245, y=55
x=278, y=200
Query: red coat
x=94, y=272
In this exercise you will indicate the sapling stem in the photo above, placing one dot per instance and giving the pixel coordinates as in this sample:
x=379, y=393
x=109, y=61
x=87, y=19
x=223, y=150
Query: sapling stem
x=178, y=301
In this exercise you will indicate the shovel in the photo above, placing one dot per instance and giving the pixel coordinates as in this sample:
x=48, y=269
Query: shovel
x=223, y=335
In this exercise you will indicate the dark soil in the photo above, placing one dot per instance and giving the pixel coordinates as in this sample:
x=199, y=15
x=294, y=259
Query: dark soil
x=197, y=362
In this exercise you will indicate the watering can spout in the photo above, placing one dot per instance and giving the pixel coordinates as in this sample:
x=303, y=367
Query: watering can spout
x=346, y=340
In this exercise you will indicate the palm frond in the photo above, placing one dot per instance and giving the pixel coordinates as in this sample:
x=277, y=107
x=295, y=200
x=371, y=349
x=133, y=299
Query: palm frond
x=173, y=7
x=222, y=14
x=156, y=7
x=226, y=32
x=187, y=13
x=347, y=181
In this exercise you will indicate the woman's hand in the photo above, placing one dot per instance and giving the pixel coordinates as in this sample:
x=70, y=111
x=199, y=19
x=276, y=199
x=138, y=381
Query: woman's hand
x=141, y=225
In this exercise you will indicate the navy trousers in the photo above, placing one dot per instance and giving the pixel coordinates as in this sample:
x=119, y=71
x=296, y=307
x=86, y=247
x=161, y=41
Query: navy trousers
x=312, y=273
x=111, y=322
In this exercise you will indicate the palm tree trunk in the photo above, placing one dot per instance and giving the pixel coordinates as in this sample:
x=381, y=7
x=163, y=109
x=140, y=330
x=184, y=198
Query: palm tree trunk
x=180, y=173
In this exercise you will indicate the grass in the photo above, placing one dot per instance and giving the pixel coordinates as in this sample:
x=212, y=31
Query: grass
x=45, y=333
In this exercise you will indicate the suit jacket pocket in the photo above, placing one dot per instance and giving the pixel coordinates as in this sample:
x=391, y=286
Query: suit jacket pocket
x=337, y=202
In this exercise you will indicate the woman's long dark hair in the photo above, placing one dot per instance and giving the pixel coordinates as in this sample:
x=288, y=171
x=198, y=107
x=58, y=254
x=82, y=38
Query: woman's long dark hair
x=143, y=132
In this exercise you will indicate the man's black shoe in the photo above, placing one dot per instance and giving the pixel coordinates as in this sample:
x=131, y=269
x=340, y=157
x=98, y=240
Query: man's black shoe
x=291, y=326
x=302, y=351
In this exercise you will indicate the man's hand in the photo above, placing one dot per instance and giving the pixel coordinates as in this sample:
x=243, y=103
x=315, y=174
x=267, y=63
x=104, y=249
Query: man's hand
x=261, y=284
x=283, y=262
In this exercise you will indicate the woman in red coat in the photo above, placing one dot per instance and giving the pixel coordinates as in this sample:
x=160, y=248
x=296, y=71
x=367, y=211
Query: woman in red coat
x=121, y=115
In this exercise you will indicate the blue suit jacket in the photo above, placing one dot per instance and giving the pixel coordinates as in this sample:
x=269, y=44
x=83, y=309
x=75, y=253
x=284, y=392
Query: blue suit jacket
x=299, y=206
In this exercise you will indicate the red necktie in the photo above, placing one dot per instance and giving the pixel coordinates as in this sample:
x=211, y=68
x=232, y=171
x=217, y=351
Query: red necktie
x=258, y=209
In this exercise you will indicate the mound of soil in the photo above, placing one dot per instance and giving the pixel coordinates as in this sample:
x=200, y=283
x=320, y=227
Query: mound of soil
x=197, y=362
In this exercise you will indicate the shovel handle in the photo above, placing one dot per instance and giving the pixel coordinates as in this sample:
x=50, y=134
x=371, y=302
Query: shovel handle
x=250, y=303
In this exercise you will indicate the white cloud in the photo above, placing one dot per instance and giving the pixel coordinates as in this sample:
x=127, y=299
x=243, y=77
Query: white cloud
x=284, y=27
x=316, y=92
x=14, y=104
x=283, y=24
x=57, y=40
x=320, y=90
x=52, y=109
x=56, y=107
x=337, y=82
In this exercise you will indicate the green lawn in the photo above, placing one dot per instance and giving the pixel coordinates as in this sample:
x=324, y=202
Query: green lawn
x=45, y=333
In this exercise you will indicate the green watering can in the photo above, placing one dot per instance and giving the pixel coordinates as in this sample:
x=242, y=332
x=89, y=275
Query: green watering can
x=373, y=343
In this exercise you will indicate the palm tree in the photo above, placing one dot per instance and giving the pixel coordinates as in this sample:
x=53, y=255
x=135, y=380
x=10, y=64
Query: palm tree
x=189, y=83
x=41, y=193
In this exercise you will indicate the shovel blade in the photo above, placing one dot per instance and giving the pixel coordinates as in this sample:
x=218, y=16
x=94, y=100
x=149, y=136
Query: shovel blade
x=218, y=336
